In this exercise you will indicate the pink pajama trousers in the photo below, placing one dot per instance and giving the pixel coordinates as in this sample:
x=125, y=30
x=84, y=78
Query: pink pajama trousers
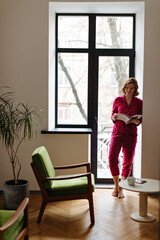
x=128, y=145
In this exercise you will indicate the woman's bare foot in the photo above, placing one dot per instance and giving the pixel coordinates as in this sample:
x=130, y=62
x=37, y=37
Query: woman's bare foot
x=120, y=193
x=115, y=193
x=116, y=186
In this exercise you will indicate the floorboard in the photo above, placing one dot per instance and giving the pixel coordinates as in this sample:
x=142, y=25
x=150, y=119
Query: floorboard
x=70, y=220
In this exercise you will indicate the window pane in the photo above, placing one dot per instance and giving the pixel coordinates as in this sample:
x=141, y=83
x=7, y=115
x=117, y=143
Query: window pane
x=73, y=32
x=113, y=72
x=72, y=88
x=114, y=32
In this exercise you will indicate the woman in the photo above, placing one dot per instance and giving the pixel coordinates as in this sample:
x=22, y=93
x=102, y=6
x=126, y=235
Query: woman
x=124, y=135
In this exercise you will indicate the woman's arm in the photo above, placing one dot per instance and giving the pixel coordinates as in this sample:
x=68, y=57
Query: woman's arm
x=114, y=111
x=137, y=121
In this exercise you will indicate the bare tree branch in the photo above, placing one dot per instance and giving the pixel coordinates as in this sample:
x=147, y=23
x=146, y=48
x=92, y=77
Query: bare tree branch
x=74, y=90
x=119, y=64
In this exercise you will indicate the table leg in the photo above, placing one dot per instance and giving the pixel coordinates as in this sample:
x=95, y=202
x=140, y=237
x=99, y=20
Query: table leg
x=143, y=204
x=142, y=215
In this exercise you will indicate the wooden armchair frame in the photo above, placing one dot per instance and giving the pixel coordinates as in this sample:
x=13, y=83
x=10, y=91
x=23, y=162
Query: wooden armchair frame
x=24, y=232
x=47, y=199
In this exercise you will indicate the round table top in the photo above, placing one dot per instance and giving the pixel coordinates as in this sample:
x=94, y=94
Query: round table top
x=151, y=186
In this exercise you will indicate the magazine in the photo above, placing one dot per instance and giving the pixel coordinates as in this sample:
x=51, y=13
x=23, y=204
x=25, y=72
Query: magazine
x=140, y=181
x=126, y=118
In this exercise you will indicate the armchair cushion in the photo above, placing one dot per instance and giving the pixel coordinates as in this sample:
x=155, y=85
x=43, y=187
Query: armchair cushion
x=44, y=165
x=71, y=186
x=12, y=232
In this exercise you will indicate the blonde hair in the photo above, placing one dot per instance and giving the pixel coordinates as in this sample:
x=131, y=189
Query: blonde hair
x=134, y=81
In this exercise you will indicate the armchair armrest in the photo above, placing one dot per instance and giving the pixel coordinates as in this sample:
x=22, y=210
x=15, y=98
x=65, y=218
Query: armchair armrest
x=66, y=178
x=87, y=164
x=16, y=215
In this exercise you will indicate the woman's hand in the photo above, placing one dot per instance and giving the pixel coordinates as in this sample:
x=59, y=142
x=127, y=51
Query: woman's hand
x=114, y=118
x=135, y=121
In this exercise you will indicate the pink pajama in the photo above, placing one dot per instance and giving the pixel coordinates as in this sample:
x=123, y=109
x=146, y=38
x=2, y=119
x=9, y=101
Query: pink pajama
x=128, y=145
x=124, y=136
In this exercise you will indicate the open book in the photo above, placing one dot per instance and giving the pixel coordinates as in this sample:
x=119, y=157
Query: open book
x=126, y=118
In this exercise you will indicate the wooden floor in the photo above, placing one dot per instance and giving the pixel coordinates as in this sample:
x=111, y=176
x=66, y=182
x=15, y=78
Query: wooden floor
x=70, y=220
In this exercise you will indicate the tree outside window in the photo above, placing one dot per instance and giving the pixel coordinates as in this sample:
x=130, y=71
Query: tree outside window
x=111, y=32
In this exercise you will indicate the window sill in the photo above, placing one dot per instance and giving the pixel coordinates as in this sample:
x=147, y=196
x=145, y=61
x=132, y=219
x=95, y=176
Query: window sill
x=68, y=131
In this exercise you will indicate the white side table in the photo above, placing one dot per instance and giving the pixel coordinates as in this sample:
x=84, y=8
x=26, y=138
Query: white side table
x=151, y=186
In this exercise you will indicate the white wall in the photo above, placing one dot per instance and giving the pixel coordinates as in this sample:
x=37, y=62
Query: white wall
x=151, y=131
x=24, y=66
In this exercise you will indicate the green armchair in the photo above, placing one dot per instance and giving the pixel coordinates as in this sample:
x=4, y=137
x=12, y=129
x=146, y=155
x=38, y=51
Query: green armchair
x=64, y=187
x=14, y=224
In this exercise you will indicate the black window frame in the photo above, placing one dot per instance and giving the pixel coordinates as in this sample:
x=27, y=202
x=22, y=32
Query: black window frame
x=93, y=52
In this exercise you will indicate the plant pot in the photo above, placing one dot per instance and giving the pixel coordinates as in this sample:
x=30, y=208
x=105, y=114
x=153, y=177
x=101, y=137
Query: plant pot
x=15, y=193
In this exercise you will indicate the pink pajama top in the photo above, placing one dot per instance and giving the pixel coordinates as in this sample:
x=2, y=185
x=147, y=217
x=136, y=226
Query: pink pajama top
x=120, y=105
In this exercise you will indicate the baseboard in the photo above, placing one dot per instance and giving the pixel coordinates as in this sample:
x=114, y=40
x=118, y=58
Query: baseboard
x=31, y=192
x=103, y=185
x=34, y=191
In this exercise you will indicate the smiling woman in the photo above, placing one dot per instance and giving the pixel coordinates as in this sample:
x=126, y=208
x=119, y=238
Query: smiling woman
x=124, y=135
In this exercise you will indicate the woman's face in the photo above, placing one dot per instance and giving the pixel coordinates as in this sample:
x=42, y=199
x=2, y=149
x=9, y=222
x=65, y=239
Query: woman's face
x=129, y=89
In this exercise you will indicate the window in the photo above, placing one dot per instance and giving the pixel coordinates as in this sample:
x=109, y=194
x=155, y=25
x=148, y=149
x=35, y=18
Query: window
x=89, y=49
x=114, y=32
x=72, y=31
x=75, y=69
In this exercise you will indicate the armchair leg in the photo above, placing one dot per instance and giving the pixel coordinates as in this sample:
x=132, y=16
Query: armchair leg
x=91, y=207
x=43, y=205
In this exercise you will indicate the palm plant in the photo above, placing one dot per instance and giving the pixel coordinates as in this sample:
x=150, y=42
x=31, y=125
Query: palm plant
x=17, y=122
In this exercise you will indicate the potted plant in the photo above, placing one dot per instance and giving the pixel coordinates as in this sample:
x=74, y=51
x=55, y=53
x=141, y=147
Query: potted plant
x=17, y=122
